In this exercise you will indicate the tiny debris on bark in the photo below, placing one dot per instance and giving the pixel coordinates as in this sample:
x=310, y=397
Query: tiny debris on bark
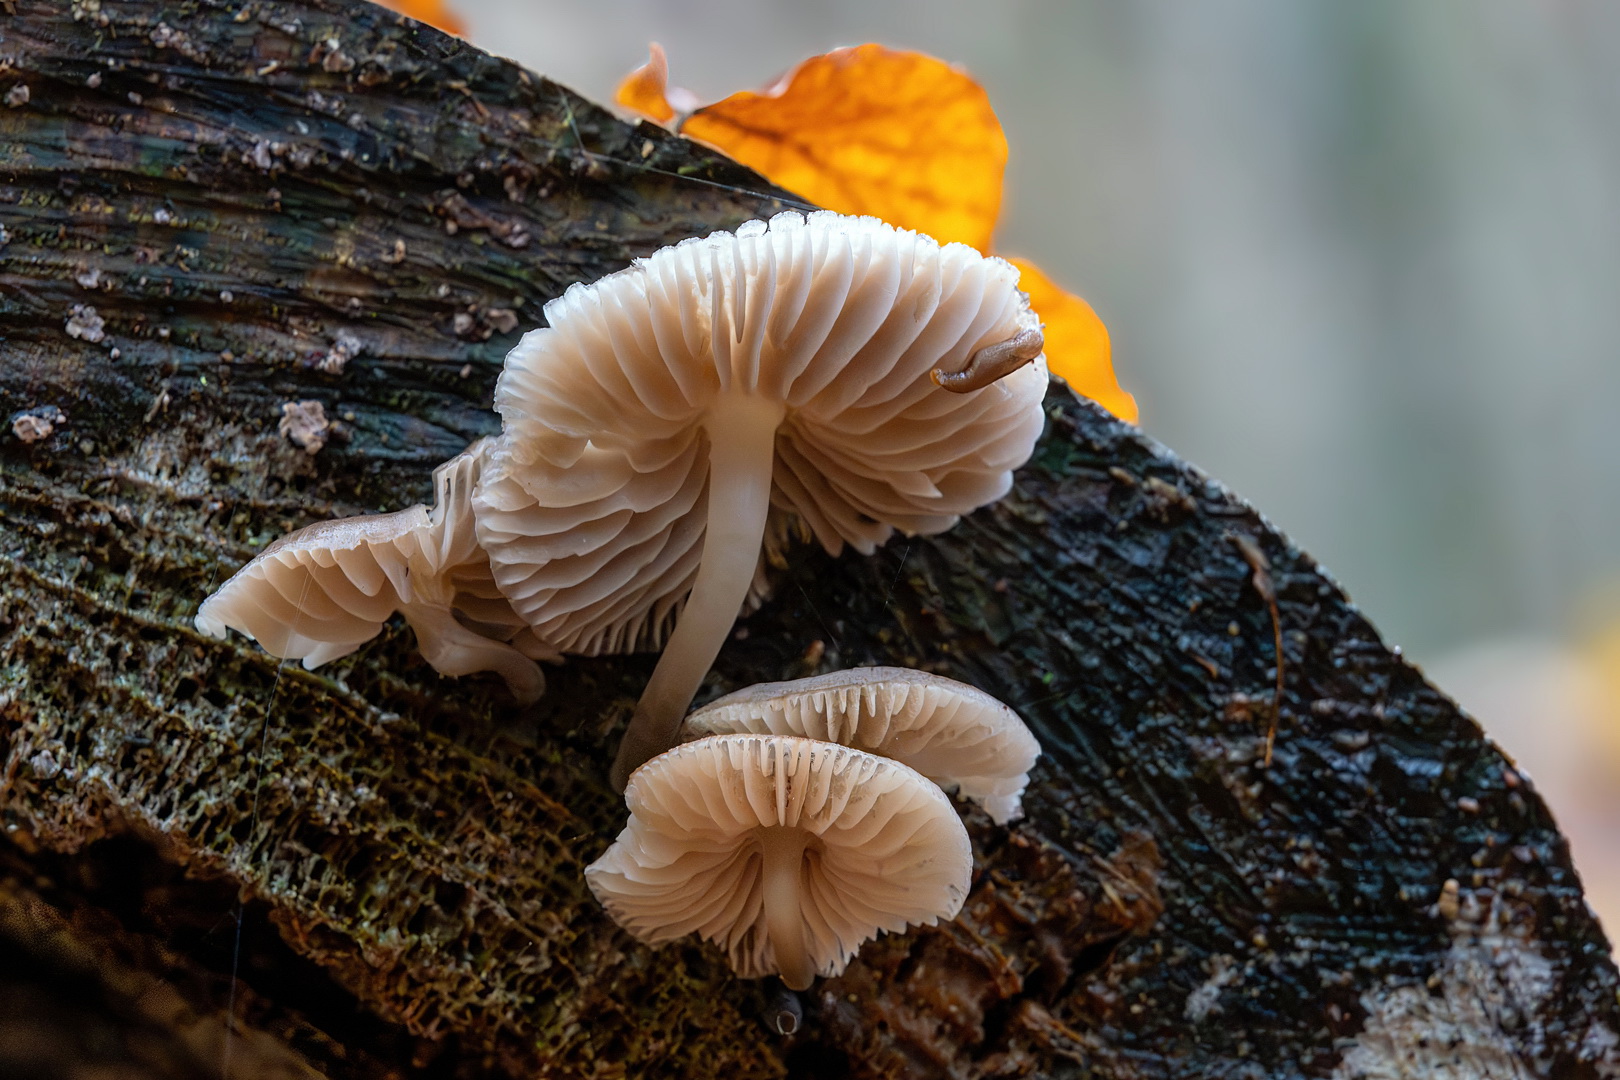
x=85, y=324
x=305, y=425
x=35, y=424
x=344, y=348
x=262, y=155
x=1224, y=971
x=160, y=403
x=17, y=96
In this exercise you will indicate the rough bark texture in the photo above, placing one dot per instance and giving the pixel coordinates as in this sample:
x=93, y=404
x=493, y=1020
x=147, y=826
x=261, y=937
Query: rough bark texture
x=215, y=865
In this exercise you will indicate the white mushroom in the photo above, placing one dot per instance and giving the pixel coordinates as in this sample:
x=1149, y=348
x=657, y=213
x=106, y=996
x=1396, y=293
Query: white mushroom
x=787, y=853
x=672, y=408
x=954, y=734
x=320, y=593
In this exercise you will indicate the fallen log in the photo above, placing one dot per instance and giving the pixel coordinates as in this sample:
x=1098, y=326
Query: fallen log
x=259, y=264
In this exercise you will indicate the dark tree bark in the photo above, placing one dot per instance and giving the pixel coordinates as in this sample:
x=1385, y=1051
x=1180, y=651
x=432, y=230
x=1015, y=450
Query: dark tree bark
x=215, y=214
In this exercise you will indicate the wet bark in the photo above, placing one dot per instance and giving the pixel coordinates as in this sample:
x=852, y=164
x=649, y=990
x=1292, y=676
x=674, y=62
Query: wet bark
x=215, y=215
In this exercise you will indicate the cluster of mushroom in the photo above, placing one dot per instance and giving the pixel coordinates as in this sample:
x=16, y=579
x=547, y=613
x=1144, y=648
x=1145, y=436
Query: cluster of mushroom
x=662, y=439
x=800, y=819
x=674, y=425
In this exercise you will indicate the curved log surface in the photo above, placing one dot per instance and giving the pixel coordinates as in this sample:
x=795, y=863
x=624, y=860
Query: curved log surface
x=216, y=865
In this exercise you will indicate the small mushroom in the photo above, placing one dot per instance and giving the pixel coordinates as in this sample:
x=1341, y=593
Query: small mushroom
x=954, y=734
x=671, y=410
x=320, y=593
x=787, y=853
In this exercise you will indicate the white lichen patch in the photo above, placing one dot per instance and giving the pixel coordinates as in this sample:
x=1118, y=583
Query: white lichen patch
x=1480, y=1015
x=304, y=424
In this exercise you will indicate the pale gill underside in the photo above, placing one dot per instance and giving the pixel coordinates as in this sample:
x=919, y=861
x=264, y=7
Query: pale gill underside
x=321, y=592
x=887, y=849
x=594, y=507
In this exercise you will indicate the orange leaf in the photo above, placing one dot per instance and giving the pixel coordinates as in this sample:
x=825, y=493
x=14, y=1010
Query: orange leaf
x=1077, y=349
x=435, y=13
x=901, y=136
x=868, y=130
x=644, y=90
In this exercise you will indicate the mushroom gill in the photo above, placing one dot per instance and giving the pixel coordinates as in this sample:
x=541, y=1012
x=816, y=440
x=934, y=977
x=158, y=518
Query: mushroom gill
x=787, y=853
x=672, y=409
x=319, y=593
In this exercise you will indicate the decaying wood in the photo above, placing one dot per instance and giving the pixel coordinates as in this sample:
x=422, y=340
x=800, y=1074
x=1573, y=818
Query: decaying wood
x=260, y=263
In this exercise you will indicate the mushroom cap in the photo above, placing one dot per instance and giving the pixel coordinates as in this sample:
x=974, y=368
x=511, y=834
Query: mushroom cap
x=319, y=593
x=954, y=734
x=885, y=847
x=594, y=506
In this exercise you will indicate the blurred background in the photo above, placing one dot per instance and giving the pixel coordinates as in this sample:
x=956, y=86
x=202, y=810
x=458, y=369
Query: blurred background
x=1361, y=262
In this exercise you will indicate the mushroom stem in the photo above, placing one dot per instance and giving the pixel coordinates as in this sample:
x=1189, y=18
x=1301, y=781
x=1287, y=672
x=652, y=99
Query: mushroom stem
x=742, y=454
x=453, y=649
x=780, y=881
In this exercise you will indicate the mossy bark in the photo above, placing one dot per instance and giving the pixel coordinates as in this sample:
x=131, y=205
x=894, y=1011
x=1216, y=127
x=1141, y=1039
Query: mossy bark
x=212, y=863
